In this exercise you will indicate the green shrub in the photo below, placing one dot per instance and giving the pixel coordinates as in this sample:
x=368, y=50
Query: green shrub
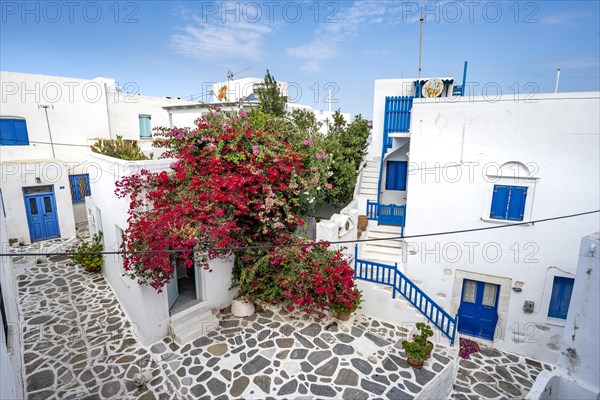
x=119, y=148
x=80, y=254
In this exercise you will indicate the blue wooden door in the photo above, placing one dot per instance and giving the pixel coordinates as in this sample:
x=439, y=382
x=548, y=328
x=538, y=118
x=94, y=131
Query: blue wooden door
x=478, y=312
x=42, y=217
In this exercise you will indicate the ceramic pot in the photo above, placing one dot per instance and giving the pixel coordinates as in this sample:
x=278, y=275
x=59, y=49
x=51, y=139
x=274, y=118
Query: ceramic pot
x=242, y=308
x=418, y=364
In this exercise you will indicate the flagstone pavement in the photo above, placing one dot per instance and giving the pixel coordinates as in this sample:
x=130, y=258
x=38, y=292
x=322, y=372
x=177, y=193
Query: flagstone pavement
x=78, y=344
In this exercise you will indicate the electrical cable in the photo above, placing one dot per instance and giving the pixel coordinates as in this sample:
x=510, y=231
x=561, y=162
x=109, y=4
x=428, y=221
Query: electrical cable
x=321, y=243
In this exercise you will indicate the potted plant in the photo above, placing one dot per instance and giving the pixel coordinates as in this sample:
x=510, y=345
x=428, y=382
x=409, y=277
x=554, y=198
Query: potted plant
x=419, y=349
x=87, y=254
x=343, y=310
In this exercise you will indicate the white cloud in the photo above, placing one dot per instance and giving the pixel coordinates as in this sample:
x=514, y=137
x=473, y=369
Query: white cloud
x=327, y=39
x=217, y=40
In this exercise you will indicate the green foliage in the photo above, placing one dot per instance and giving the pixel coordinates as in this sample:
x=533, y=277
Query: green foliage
x=119, y=148
x=415, y=350
x=347, y=144
x=80, y=254
x=270, y=99
x=419, y=348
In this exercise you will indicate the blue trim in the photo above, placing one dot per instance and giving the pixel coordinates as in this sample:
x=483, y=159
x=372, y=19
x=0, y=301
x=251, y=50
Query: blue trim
x=2, y=203
x=390, y=275
x=13, y=132
x=562, y=288
x=508, y=202
x=76, y=194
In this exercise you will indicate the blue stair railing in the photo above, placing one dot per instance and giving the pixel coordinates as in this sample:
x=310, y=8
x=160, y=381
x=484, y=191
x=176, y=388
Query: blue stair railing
x=372, y=207
x=390, y=275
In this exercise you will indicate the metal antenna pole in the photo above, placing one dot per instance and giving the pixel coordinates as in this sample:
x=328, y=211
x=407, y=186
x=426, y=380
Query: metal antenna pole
x=420, y=42
x=557, y=79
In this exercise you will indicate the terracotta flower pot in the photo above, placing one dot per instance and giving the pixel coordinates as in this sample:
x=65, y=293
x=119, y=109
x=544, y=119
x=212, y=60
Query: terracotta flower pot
x=430, y=351
x=363, y=222
x=418, y=364
x=242, y=308
x=342, y=317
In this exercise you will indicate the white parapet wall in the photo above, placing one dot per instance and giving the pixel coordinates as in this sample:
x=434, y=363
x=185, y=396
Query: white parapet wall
x=341, y=227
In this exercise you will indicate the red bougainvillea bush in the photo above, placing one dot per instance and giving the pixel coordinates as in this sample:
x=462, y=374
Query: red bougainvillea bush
x=309, y=277
x=234, y=184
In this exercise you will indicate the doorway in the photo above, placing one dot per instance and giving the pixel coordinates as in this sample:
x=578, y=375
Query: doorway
x=183, y=290
x=478, y=311
x=42, y=216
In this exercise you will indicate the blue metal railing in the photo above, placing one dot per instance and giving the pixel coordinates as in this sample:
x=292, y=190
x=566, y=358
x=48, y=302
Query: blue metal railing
x=390, y=275
x=387, y=214
x=372, y=210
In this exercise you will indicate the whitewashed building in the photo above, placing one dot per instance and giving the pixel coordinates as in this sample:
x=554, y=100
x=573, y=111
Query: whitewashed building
x=451, y=163
x=46, y=126
x=184, y=308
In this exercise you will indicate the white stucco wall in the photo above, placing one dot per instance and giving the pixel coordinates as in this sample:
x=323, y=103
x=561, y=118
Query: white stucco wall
x=10, y=348
x=557, y=137
x=14, y=176
x=580, y=347
x=147, y=309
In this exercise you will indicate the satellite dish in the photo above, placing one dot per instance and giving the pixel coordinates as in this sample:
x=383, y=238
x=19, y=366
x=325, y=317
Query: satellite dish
x=432, y=88
x=222, y=93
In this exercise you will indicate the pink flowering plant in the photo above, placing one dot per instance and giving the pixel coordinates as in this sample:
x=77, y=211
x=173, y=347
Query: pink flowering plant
x=309, y=277
x=236, y=182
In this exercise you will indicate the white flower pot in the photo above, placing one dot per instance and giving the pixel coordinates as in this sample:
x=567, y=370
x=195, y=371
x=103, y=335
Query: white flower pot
x=242, y=308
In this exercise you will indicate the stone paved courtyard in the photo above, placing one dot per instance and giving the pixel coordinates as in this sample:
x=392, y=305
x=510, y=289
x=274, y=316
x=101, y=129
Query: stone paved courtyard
x=492, y=374
x=78, y=344
x=282, y=355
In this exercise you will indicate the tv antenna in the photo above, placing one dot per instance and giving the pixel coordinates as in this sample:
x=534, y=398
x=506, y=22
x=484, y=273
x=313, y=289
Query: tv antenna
x=222, y=92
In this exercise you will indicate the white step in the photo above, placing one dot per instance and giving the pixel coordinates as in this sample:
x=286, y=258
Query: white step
x=368, y=191
x=395, y=244
x=382, y=230
x=369, y=185
x=191, y=324
x=381, y=259
x=383, y=251
x=369, y=178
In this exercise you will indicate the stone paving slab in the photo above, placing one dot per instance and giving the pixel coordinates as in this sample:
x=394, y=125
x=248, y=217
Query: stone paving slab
x=77, y=342
x=275, y=354
x=493, y=374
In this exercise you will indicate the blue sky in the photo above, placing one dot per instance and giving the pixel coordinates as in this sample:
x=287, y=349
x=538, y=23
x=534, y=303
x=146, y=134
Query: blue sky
x=175, y=48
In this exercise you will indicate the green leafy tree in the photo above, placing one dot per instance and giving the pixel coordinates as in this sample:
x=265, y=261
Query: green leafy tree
x=270, y=98
x=347, y=145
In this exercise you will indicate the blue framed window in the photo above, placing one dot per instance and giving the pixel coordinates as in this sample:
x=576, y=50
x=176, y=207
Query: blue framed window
x=80, y=187
x=13, y=132
x=562, y=288
x=508, y=202
x=395, y=177
x=145, y=126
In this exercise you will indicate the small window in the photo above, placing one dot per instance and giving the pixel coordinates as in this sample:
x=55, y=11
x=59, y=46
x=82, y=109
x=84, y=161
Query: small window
x=145, y=126
x=561, y=297
x=470, y=291
x=395, y=178
x=80, y=187
x=508, y=202
x=13, y=132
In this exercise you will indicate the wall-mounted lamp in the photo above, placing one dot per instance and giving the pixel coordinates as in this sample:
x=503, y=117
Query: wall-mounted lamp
x=38, y=180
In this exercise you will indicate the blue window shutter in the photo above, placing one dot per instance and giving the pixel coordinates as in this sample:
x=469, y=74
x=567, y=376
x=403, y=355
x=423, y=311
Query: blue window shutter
x=21, y=137
x=390, y=176
x=395, y=177
x=562, y=288
x=13, y=132
x=500, y=202
x=516, y=206
x=402, y=170
x=7, y=132
x=145, y=129
x=78, y=192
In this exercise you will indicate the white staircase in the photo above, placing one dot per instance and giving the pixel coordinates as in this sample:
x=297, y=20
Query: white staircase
x=386, y=251
x=192, y=323
x=370, y=178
